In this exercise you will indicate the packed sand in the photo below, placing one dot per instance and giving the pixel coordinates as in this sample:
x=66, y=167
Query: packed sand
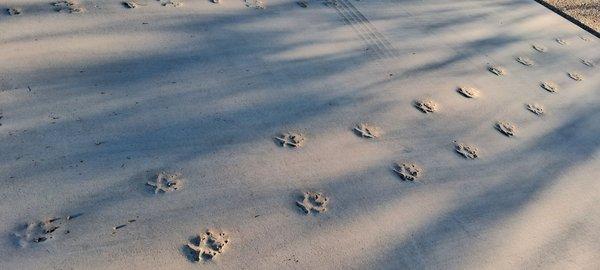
x=276, y=134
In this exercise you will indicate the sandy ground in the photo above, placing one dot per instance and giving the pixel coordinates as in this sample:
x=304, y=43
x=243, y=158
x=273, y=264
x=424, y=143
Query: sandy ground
x=586, y=11
x=96, y=103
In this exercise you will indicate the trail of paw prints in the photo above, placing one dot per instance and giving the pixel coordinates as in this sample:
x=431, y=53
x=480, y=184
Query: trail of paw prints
x=42, y=231
x=68, y=6
x=291, y=140
x=426, y=105
x=506, y=128
x=535, y=108
x=14, y=11
x=539, y=48
x=549, y=86
x=526, y=61
x=575, y=76
x=313, y=202
x=208, y=245
x=466, y=150
x=497, y=70
x=365, y=130
x=407, y=171
x=468, y=92
x=164, y=182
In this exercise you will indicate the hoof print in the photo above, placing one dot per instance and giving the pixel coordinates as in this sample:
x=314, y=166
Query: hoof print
x=539, y=48
x=561, y=41
x=292, y=140
x=575, y=76
x=466, y=150
x=506, y=128
x=587, y=63
x=313, y=202
x=166, y=182
x=14, y=11
x=208, y=245
x=549, y=86
x=426, y=106
x=525, y=61
x=365, y=130
x=407, y=171
x=68, y=6
x=497, y=70
x=468, y=92
x=535, y=108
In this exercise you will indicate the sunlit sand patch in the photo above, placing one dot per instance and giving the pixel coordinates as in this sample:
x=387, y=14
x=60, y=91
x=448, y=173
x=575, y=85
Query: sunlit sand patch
x=206, y=246
x=468, y=92
x=506, y=128
x=535, y=108
x=408, y=171
x=313, y=201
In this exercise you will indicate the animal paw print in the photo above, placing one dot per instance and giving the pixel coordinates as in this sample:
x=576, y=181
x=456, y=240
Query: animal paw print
x=549, y=86
x=14, y=11
x=535, y=108
x=466, y=150
x=130, y=4
x=171, y=3
x=561, y=41
x=293, y=140
x=468, y=92
x=313, y=202
x=41, y=231
x=407, y=171
x=575, y=76
x=68, y=6
x=525, y=61
x=587, y=63
x=426, y=106
x=208, y=245
x=258, y=4
x=367, y=131
x=506, y=128
x=497, y=70
x=539, y=48
x=166, y=182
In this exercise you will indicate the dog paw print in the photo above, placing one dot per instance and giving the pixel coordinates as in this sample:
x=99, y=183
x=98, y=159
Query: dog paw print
x=468, y=92
x=408, y=171
x=42, y=231
x=506, y=128
x=426, y=106
x=526, y=61
x=497, y=70
x=208, y=245
x=535, y=108
x=313, y=202
x=539, y=48
x=549, y=86
x=292, y=140
x=365, y=130
x=575, y=76
x=466, y=150
x=68, y=6
x=165, y=182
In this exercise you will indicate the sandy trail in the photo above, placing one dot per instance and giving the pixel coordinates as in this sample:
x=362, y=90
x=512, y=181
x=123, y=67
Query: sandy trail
x=96, y=104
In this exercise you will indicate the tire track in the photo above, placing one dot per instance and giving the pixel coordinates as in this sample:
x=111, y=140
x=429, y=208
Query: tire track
x=374, y=39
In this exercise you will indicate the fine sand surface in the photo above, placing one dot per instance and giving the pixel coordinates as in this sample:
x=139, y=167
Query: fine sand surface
x=382, y=134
